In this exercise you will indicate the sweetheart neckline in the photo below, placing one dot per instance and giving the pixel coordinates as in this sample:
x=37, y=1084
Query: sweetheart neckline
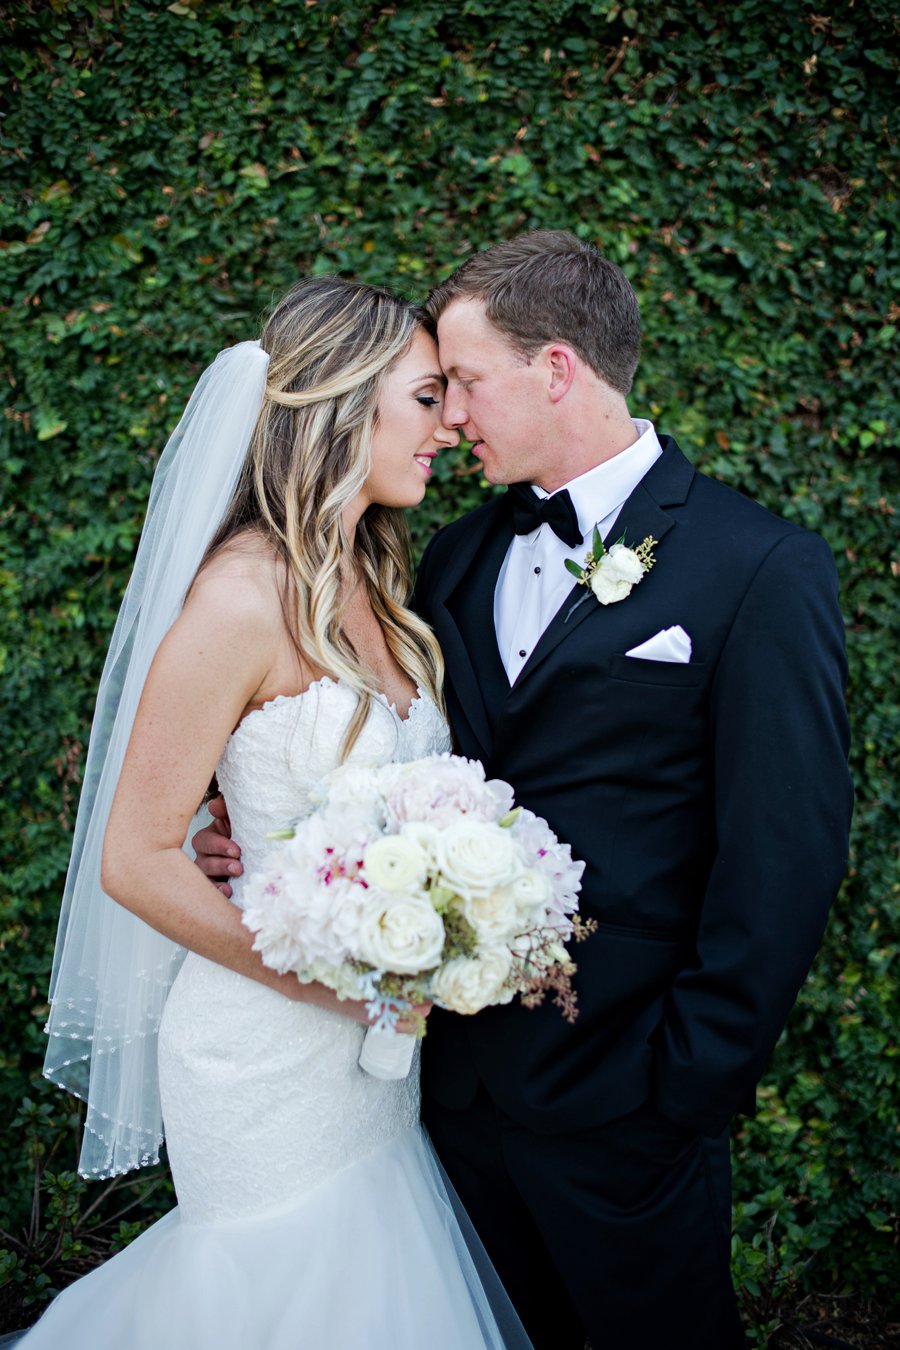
x=323, y=681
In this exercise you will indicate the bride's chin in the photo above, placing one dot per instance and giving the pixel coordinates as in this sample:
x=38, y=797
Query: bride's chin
x=404, y=500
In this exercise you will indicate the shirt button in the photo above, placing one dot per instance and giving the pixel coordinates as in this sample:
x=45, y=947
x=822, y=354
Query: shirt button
x=522, y=653
x=537, y=571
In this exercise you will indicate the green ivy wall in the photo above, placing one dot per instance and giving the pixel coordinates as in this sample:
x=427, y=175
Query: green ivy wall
x=166, y=171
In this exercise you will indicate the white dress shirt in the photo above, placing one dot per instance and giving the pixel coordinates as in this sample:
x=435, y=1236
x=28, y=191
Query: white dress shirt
x=533, y=580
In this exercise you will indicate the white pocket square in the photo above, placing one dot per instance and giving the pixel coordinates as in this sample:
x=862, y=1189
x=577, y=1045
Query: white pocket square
x=669, y=644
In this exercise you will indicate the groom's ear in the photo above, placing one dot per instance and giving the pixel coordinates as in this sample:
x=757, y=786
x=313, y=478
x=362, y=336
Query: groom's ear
x=561, y=364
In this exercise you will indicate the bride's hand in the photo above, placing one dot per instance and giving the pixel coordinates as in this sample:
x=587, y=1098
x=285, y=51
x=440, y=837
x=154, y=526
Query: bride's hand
x=412, y=1020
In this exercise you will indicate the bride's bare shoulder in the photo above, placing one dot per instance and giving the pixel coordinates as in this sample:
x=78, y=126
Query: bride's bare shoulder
x=246, y=576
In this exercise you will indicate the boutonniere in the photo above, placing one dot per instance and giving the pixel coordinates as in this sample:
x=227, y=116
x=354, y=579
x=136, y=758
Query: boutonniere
x=610, y=574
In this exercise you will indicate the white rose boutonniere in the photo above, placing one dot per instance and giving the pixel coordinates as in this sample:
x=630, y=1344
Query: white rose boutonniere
x=610, y=575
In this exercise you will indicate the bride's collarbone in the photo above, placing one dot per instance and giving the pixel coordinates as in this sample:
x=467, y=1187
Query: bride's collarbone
x=367, y=638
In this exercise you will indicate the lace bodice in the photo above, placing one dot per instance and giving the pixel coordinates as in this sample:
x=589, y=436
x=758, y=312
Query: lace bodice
x=279, y=752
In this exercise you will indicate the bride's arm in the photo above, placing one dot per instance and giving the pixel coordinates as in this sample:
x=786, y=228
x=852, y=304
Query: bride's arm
x=210, y=668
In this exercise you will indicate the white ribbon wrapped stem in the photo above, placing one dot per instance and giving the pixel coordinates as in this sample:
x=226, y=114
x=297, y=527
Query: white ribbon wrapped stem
x=387, y=1054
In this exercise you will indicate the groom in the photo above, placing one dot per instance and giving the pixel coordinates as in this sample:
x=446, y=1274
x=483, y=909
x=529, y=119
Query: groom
x=701, y=773
x=702, y=777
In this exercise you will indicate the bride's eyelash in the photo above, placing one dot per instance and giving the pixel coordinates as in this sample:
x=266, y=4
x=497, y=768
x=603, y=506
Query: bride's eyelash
x=427, y=401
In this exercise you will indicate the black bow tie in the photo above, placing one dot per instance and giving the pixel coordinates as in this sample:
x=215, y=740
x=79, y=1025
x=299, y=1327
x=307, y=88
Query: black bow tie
x=529, y=511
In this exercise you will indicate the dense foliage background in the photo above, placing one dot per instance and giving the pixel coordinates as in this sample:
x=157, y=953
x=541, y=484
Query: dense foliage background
x=167, y=170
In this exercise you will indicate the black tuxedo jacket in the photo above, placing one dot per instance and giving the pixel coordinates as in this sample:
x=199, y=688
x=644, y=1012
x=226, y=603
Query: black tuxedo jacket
x=710, y=801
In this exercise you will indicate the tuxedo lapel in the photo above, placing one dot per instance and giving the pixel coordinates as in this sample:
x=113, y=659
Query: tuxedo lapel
x=666, y=484
x=463, y=615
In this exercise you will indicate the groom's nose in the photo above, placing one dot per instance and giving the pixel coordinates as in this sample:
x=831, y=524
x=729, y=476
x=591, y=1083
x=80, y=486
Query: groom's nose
x=454, y=412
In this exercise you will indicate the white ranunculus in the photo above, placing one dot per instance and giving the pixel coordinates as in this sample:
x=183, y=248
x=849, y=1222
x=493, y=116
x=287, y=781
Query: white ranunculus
x=404, y=936
x=426, y=836
x=532, y=892
x=475, y=857
x=466, y=985
x=494, y=916
x=395, y=863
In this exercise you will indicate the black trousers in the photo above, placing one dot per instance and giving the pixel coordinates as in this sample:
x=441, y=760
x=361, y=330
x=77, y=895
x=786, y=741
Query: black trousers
x=619, y=1234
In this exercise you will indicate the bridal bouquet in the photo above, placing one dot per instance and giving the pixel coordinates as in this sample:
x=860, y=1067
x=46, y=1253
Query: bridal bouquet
x=419, y=882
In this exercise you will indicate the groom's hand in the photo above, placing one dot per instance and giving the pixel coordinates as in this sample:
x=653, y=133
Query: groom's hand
x=218, y=856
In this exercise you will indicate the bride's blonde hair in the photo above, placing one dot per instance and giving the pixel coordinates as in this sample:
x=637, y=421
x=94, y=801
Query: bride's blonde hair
x=331, y=343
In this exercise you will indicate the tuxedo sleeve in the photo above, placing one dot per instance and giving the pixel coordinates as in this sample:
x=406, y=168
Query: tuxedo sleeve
x=783, y=800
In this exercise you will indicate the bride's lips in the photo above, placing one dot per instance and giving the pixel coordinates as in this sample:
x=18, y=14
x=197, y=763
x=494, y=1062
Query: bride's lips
x=424, y=463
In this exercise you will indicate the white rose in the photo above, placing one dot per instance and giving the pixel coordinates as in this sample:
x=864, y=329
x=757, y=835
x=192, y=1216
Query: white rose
x=493, y=916
x=467, y=985
x=615, y=574
x=624, y=564
x=608, y=589
x=395, y=863
x=405, y=936
x=476, y=858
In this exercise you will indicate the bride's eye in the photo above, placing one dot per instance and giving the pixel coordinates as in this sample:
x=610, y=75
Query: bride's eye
x=427, y=401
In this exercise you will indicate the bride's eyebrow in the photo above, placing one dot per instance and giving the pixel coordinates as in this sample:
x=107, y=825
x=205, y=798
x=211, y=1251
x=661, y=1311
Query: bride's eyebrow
x=420, y=379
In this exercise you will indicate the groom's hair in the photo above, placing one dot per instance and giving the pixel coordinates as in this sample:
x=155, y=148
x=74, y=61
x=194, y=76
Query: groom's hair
x=550, y=286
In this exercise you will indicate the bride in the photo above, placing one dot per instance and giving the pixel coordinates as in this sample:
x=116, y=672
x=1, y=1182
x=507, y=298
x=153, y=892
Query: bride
x=311, y=1211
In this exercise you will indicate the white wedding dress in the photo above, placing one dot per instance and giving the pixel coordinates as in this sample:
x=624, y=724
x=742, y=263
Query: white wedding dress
x=311, y=1212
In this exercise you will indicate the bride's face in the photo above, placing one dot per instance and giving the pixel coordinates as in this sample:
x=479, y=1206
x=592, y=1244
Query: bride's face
x=409, y=432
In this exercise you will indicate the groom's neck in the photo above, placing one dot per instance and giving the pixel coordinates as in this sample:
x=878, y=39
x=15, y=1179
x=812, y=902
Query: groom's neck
x=584, y=438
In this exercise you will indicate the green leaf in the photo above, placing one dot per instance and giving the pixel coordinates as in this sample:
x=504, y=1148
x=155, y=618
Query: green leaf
x=48, y=424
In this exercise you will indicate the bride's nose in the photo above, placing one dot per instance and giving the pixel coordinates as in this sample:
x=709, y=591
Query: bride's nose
x=446, y=436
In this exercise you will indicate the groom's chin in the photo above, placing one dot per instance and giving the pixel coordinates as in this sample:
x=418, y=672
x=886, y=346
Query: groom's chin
x=494, y=475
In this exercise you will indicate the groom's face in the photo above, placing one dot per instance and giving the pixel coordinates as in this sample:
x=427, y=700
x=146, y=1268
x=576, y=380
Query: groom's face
x=494, y=396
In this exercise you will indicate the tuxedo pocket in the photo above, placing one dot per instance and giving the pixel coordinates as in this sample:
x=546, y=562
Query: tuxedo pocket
x=637, y=670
